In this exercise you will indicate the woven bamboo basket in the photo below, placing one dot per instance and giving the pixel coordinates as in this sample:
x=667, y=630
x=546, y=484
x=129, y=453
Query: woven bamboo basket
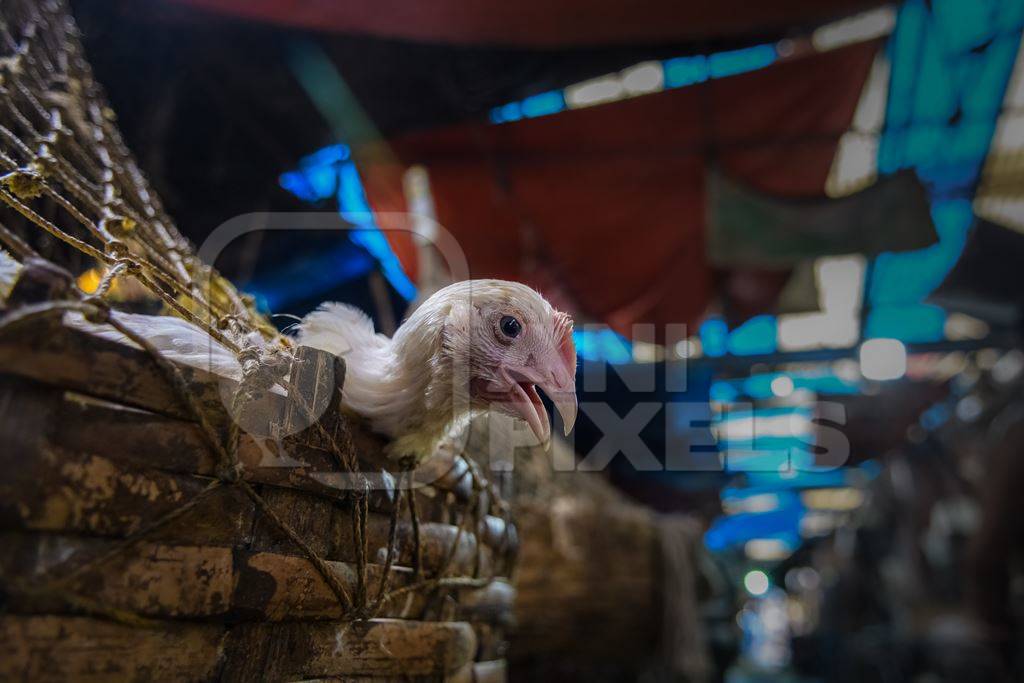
x=160, y=522
x=106, y=572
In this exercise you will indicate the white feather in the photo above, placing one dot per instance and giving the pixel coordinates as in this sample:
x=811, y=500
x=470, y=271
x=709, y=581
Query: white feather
x=178, y=340
x=347, y=332
x=9, y=270
x=374, y=385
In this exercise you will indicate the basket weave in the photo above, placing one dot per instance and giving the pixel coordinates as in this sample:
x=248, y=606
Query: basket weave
x=160, y=522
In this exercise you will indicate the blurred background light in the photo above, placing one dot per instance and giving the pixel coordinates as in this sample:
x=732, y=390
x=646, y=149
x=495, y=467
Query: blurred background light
x=759, y=335
x=643, y=78
x=767, y=549
x=714, y=337
x=960, y=326
x=688, y=348
x=883, y=359
x=782, y=386
x=602, y=344
x=550, y=102
x=756, y=582
x=596, y=91
x=804, y=331
x=684, y=71
x=864, y=26
x=732, y=62
x=738, y=501
x=838, y=499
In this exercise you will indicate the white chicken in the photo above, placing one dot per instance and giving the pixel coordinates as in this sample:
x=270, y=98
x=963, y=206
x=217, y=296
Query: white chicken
x=472, y=346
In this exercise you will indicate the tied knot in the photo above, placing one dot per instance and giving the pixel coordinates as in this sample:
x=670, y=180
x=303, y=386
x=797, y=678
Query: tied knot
x=228, y=321
x=129, y=266
x=260, y=369
x=44, y=163
x=118, y=226
x=118, y=250
x=10, y=66
x=97, y=311
x=249, y=357
x=24, y=183
x=230, y=473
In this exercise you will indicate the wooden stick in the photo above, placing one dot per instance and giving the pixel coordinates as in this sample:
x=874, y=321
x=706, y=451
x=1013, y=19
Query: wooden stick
x=202, y=582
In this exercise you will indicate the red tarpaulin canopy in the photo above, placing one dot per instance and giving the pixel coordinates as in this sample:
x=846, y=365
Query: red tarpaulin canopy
x=603, y=207
x=539, y=23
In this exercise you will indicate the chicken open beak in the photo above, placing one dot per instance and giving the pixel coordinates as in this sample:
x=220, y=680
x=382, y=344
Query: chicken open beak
x=525, y=403
x=555, y=375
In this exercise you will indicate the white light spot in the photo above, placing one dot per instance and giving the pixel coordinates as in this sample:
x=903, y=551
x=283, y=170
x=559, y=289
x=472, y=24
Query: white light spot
x=807, y=578
x=785, y=48
x=644, y=352
x=756, y=582
x=782, y=386
x=688, y=348
x=969, y=408
x=883, y=359
x=961, y=326
x=855, y=29
x=855, y=165
x=847, y=369
x=818, y=523
x=837, y=499
x=802, y=331
x=762, y=502
x=766, y=549
x=643, y=78
x=595, y=91
x=1009, y=367
x=998, y=207
x=840, y=282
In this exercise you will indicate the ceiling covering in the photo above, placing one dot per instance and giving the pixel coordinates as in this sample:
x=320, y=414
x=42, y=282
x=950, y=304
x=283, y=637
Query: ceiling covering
x=557, y=201
x=538, y=23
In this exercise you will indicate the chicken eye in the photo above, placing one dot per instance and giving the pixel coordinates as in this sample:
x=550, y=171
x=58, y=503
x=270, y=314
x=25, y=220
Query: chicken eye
x=510, y=327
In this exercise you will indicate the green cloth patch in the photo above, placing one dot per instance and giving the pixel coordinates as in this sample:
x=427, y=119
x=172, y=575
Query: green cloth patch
x=749, y=229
